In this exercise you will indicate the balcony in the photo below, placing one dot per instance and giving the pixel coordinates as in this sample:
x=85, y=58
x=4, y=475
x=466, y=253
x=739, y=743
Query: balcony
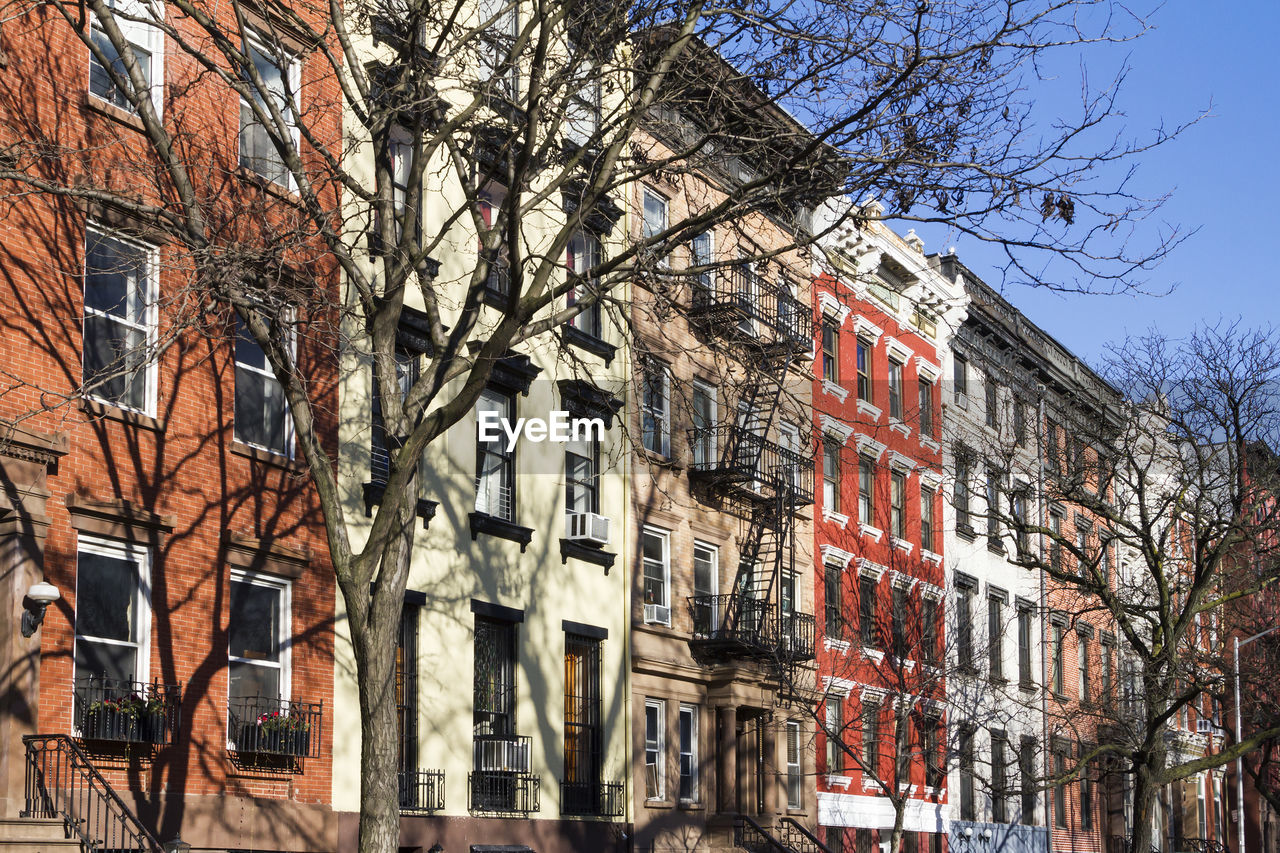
x=601, y=799
x=739, y=626
x=739, y=306
x=500, y=780
x=737, y=462
x=109, y=709
x=262, y=725
x=421, y=790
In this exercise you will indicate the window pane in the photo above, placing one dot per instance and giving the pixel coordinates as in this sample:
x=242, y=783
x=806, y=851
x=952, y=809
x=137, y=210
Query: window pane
x=106, y=595
x=255, y=622
x=249, y=679
x=114, y=361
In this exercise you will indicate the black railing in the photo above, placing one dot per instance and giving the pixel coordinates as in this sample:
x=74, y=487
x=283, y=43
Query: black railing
x=798, y=839
x=751, y=626
x=603, y=799
x=1124, y=844
x=498, y=281
x=739, y=304
x=421, y=790
x=129, y=711
x=740, y=460
x=751, y=836
x=62, y=783
x=261, y=725
x=795, y=636
x=1198, y=845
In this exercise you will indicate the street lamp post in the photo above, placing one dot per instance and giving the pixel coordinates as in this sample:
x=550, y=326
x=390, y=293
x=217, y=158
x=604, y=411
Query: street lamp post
x=1240, y=735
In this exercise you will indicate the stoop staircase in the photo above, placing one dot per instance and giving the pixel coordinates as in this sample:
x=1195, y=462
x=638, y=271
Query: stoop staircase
x=788, y=837
x=36, y=835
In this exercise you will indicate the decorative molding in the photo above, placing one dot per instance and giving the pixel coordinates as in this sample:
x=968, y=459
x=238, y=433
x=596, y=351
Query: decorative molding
x=868, y=446
x=927, y=370
x=901, y=461
x=865, y=407
x=833, y=645
x=869, y=569
x=930, y=590
x=901, y=580
x=930, y=478
x=841, y=782
x=835, y=427
x=839, y=392
x=897, y=348
x=901, y=544
x=833, y=308
x=873, y=654
x=900, y=427
x=832, y=554
x=931, y=557
x=874, y=532
x=873, y=695
x=866, y=329
x=30, y=446
x=266, y=555
x=118, y=519
x=835, y=517
x=926, y=441
x=837, y=686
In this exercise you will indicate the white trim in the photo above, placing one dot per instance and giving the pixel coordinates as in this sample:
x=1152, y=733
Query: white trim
x=835, y=517
x=838, y=391
x=927, y=370
x=866, y=408
x=900, y=427
x=835, y=427
x=873, y=654
x=150, y=297
x=877, y=812
x=901, y=462
x=901, y=544
x=836, y=645
x=867, y=329
x=897, y=348
x=930, y=557
x=145, y=35
x=868, y=446
x=874, y=532
x=926, y=441
x=665, y=536
x=931, y=590
x=930, y=478
x=141, y=605
x=290, y=107
x=832, y=308
x=843, y=782
x=660, y=740
x=268, y=374
x=869, y=569
x=832, y=554
x=695, y=745
x=901, y=580
x=285, y=587
x=834, y=686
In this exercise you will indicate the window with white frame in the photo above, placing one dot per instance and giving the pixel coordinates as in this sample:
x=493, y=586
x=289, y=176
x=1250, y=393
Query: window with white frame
x=584, y=256
x=261, y=412
x=830, y=474
x=582, y=472
x=498, y=69
x=583, y=104
x=687, y=729
x=706, y=582
x=258, y=638
x=145, y=41
x=655, y=412
x=700, y=248
x=895, y=389
x=113, y=614
x=655, y=783
x=119, y=321
x=656, y=549
x=835, y=733
x=654, y=220
x=704, y=421
x=795, y=771
x=866, y=490
x=495, y=463
x=278, y=73
x=898, y=504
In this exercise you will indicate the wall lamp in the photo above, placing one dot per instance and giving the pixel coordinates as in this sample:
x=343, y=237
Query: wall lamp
x=177, y=845
x=39, y=597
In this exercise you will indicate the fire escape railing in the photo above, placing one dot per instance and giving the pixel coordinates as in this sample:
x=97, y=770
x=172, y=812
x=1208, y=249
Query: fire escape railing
x=739, y=458
x=62, y=783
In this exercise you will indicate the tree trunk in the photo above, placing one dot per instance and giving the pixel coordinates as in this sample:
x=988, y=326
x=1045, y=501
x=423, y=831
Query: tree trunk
x=1145, y=790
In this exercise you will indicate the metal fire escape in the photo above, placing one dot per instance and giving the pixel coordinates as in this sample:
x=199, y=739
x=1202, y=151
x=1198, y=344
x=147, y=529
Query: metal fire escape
x=738, y=468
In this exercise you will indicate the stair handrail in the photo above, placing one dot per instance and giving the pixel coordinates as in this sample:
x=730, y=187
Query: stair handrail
x=797, y=826
x=104, y=804
x=743, y=821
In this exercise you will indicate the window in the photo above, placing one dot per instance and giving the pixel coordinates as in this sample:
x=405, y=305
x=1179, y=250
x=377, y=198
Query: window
x=704, y=420
x=1027, y=772
x=261, y=413
x=1019, y=423
x=584, y=256
x=379, y=450
x=833, y=838
x=258, y=637
x=995, y=637
x=706, y=579
x=279, y=75
x=399, y=156
x=657, y=565
x=688, y=730
x=1084, y=531
x=935, y=775
x=992, y=401
x=833, y=615
x=655, y=220
x=993, y=509
x=1104, y=666
x=898, y=615
x=583, y=725
x=895, y=389
x=1020, y=521
x=964, y=628
x=898, y=504
x=867, y=612
x=1060, y=787
x=835, y=734
x=864, y=369
x=582, y=472
x=1051, y=447
x=119, y=324
x=1086, y=795
x=655, y=413
x=960, y=497
x=1024, y=645
x=830, y=350
x=1082, y=663
x=655, y=750
x=929, y=630
x=795, y=771
x=830, y=474
x=926, y=408
x=960, y=379
x=1055, y=540
x=583, y=107
x=497, y=62
x=1056, y=678
x=494, y=687
x=146, y=43
x=495, y=464
x=999, y=780
x=700, y=249
x=927, y=529
x=871, y=737
x=967, y=810
x=866, y=490
x=113, y=615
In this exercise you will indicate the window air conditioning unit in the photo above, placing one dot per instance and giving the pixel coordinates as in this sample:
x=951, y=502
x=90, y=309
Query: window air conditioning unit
x=657, y=613
x=587, y=527
x=1204, y=727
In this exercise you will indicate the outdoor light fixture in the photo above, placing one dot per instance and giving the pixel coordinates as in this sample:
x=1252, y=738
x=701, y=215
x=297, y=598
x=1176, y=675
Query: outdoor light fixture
x=968, y=832
x=177, y=845
x=986, y=835
x=39, y=596
x=436, y=848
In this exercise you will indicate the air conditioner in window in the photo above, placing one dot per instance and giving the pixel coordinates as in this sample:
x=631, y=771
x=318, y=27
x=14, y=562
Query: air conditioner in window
x=657, y=613
x=587, y=527
x=1204, y=727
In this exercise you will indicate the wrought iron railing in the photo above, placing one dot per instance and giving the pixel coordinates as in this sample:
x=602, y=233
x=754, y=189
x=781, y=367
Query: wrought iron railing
x=498, y=280
x=752, y=625
x=1124, y=844
x=751, y=836
x=738, y=303
x=129, y=711
x=1198, y=845
x=752, y=464
x=795, y=636
x=262, y=725
x=421, y=790
x=500, y=780
x=798, y=839
x=603, y=799
x=62, y=783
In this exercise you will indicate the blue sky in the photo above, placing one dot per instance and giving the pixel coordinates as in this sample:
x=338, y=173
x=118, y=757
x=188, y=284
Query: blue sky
x=1223, y=173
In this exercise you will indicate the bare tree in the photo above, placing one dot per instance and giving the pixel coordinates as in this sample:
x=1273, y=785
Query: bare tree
x=477, y=140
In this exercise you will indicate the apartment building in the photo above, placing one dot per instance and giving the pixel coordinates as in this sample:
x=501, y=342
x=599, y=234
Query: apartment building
x=884, y=319
x=720, y=493
x=168, y=646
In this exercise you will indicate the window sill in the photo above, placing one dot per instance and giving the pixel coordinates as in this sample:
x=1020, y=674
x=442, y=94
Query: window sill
x=99, y=409
x=839, y=781
x=831, y=644
x=691, y=806
x=117, y=114
x=587, y=553
x=501, y=528
x=996, y=546
x=267, y=185
x=373, y=492
x=873, y=654
x=659, y=804
x=655, y=458
x=266, y=457
x=1028, y=686
x=589, y=343
x=966, y=532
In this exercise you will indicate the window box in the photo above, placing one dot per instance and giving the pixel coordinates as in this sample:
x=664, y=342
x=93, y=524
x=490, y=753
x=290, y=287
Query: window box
x=125, y=711
x=260, y=725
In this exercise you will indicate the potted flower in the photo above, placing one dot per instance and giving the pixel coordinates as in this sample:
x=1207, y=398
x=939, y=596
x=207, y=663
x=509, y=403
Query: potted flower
x=283, y=733
x=114, y=717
